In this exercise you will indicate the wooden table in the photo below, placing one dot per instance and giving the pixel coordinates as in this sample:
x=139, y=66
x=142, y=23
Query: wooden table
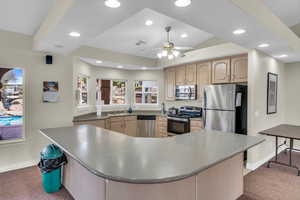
x=286, y=131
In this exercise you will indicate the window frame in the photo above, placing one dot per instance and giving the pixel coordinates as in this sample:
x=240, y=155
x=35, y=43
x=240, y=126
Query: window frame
x=146, y=104
x=23, y=139
x=80, y=105
x=111, y=89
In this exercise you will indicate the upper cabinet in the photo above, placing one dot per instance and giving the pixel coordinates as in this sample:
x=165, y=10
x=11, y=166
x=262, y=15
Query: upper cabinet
x=191, y=74
x=203, y=78
x=239, y=69
x=180, y=75
x=170, y=75
x=218, y=71
x=221, y=71
x=204, y=73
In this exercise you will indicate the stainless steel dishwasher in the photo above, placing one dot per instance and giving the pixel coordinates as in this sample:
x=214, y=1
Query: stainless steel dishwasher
x=146, y=125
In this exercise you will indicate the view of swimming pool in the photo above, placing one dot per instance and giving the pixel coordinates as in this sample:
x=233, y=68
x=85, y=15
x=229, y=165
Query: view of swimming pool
x=11, y=120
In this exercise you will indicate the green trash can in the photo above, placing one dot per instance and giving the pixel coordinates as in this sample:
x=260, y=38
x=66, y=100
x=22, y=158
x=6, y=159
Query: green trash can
x=52, y=160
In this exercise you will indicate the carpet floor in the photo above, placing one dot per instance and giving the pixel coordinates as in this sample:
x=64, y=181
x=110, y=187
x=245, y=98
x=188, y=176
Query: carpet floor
x=275, y=183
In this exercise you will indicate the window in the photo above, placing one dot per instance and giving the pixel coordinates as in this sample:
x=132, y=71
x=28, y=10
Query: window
x=82, y=90
x=11, y=104
x=146, y=92
x=113, y=92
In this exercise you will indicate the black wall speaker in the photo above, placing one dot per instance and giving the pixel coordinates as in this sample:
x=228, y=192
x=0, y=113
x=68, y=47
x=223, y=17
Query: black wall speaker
x=49, y=59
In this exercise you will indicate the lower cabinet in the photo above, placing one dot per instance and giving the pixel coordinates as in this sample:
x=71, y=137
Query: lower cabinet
x=117, y=126
x=196, y=125
x=97, y=123
x=131, y=126
x=126, y=125
x=161, y=127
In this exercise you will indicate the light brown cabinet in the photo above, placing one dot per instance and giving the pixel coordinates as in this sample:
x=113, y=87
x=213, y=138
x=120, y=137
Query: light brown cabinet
x=130, y=126
x=221, y=71
x=161, y=129
x=97, y=123
x=196, y=125
x=191, y=74
x=180, y=75
x=203, y=78
x=239, y=69
x=126, y=125
x=170, y=75
x=117, y=126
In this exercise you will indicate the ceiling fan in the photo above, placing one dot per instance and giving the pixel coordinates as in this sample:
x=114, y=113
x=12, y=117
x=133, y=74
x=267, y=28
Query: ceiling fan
x=169, y=49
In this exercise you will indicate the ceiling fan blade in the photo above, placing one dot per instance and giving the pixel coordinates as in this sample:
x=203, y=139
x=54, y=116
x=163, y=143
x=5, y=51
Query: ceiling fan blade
x=183, y=48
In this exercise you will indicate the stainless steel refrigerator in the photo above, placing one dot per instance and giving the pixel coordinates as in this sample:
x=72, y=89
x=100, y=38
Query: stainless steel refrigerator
x=225, y=108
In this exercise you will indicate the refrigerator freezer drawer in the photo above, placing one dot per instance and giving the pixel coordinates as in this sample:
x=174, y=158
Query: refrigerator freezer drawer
x=220, y=120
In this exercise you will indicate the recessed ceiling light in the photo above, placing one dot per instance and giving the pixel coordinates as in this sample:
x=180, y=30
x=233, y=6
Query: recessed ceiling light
x=99, y=62
x=182, y=3
x=184, y=35
x=74, y=34
x=112, y=3
x=144, y=68
x=120, y=66
x=239, y=31
x=149, y=22
x=282, y=56
x=263, y=45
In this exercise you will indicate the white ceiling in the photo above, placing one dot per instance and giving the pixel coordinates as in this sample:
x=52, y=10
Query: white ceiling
x=287, y=10
x=119, y=29
x=124, y=36
x=23, y=16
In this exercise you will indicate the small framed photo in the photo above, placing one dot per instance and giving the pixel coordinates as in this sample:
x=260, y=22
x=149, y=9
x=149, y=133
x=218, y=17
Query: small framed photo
x=50, y=92
x=272, y=88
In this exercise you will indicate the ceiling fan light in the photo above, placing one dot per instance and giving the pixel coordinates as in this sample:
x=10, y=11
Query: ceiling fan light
x=170, y=57
x=164, y=53
x=176, y=53
x=182, y=3
x=112, y=3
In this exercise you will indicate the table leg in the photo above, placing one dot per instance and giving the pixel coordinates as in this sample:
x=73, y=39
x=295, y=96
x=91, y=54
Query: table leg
x=276, y=148
x=291, y=147
x=290, y=156
x=276, y=152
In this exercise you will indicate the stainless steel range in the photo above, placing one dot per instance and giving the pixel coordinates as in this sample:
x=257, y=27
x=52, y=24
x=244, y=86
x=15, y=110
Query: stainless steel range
x=180, y=123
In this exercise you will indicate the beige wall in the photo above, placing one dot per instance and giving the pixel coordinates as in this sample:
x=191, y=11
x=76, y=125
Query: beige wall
x=292, y=90
x=259, y=65
x=94, y=72
x=15, y=51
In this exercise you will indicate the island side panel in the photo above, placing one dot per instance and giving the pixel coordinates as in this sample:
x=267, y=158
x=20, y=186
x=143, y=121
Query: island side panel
x=81, y=183
x=178, y=190
x=223, y=181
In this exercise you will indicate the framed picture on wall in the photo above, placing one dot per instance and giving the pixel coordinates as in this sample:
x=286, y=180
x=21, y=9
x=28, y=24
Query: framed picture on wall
x=272, y=88
x=50, y=91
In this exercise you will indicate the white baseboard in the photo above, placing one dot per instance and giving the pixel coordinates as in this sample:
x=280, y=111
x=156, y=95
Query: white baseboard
x=18, y=166
x=254, y=166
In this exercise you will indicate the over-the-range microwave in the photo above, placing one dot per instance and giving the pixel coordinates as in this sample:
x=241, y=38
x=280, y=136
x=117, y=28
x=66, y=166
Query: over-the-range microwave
x=186, y=92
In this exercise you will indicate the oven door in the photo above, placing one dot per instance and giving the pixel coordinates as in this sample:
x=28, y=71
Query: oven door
x=178, y=125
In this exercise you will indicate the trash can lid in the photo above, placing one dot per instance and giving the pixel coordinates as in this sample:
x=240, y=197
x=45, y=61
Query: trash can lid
x=51, y=152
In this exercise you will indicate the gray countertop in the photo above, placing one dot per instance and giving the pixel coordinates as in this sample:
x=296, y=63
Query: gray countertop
x=106, y=115
x=119, y=157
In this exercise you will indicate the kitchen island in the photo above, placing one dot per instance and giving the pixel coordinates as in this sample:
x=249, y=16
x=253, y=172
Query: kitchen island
x=106, y=165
